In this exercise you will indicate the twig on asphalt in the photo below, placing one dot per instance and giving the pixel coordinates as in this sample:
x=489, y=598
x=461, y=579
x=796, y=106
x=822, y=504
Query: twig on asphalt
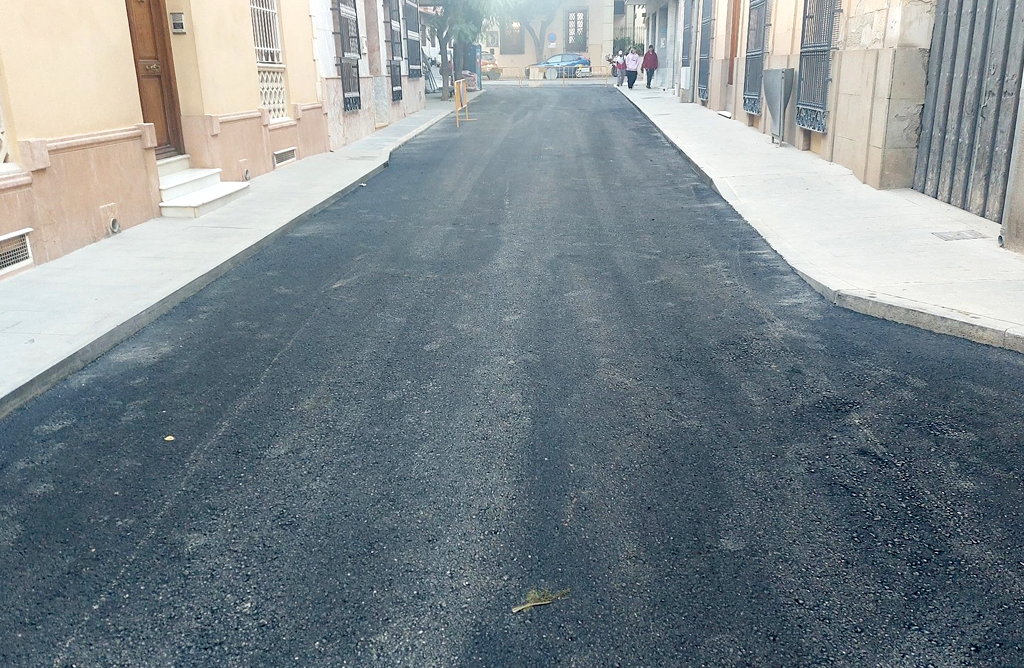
x=535, y=598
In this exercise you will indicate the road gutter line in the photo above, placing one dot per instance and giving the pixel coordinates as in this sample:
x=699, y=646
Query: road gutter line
x=91, y=351
x=934, y=318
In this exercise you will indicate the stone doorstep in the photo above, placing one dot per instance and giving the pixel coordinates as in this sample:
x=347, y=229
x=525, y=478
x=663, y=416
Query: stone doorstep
x=201, y=202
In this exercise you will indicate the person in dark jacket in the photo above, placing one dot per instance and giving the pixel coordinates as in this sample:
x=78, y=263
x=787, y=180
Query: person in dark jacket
x=650, y=64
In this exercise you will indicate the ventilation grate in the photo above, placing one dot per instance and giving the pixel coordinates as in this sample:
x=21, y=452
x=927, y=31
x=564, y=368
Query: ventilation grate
x=14, y=251
x=287, y=155
x=961, y=235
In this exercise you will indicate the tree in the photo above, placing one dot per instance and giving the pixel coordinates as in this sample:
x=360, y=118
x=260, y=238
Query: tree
x=456, y=22
x=535, y=16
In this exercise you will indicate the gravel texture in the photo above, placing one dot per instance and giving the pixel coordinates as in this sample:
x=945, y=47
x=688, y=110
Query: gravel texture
x=536, y=352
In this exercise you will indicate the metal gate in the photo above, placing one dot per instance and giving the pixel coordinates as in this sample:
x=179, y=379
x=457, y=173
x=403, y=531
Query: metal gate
x=970, y=111
x=687, y=34
x=704, y=64
x=757, y=20
x=821, y=23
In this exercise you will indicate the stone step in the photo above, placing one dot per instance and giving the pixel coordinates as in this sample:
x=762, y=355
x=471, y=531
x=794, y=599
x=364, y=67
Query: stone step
x=203, y=201
x=170, y=165
x=177, y=184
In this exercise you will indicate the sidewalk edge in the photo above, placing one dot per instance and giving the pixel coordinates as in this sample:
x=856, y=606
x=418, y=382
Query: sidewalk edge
x=704, y=176
x=94, y=349
x=930, y=317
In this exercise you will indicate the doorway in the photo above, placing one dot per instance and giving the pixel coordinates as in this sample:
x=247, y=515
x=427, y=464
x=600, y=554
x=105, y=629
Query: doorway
x=147, y=21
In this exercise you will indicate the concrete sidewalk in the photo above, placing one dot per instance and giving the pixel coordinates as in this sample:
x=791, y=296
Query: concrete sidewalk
x=872, y=251
x=58, y=317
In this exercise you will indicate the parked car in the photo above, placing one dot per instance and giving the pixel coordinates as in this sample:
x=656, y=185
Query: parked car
x=489, y=66
x=563, y=65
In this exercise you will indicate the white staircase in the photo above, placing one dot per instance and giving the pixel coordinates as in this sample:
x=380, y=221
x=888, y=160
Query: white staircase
x=190, y=193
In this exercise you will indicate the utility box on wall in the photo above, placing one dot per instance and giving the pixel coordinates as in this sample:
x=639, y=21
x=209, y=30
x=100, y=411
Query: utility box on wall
x=778, y=89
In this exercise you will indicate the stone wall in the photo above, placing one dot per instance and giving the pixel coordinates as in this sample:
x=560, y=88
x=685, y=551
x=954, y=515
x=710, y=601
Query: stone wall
x=878, y=89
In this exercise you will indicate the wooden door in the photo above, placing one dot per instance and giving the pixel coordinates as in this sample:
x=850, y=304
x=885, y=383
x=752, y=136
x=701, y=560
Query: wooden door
x=147, y=20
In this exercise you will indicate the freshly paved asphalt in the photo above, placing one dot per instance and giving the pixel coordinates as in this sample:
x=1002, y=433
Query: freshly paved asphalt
x=535, y=352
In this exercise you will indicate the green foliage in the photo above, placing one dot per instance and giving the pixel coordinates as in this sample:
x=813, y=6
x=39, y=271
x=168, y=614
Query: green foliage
x=535, y=16
x=458, y=20
x=624, y=44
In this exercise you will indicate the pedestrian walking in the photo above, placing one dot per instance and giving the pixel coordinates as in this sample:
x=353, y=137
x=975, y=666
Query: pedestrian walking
x=619, y=62
x=650, y=64
x=633, y=61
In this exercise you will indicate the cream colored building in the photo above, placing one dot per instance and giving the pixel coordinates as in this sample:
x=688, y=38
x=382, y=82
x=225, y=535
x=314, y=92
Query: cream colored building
x=113, y=112
x=369, y=64
x=905, y=93
x=586, y=28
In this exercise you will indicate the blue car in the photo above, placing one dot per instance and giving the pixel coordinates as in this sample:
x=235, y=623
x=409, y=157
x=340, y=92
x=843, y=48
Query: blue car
x=563, y=65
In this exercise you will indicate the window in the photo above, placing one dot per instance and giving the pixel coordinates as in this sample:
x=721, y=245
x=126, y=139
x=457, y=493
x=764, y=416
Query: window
x=513, y=41
x=576, y=31
x=346, y=42
x=704, y=64
x=393, y=33
x=820, y=20
x=266, y=32
x=269, y=60
x=687, y=31
x=412, y=31
x=754, y=72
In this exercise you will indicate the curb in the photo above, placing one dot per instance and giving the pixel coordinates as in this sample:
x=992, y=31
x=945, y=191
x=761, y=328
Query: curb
x=930, y=317
x=94, y=349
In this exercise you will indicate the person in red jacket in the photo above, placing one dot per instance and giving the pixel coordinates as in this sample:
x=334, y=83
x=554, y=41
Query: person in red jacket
x=650, y=63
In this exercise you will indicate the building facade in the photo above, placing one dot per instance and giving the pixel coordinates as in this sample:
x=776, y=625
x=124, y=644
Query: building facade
x=917, y=94
x=114, y=112
x=585, y=28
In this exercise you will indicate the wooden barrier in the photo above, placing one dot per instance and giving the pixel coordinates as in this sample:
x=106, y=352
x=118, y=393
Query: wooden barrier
x=461, y=101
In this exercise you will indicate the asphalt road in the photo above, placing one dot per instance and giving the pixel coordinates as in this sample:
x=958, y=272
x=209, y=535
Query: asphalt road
x=536, y=352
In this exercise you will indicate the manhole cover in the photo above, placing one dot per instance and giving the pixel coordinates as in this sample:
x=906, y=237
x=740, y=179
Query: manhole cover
x=959, y=235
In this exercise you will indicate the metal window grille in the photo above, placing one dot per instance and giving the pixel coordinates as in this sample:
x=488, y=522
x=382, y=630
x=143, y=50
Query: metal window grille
x=757, y=21
x=393, y=29
x=821, y=21
x=346, y=40
x=687, y=31
x=412, y=31
x=704, y=65
x=285, y=155
x=15, y=251
x=576, y=31
x=266, y=32
x=513, y=41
